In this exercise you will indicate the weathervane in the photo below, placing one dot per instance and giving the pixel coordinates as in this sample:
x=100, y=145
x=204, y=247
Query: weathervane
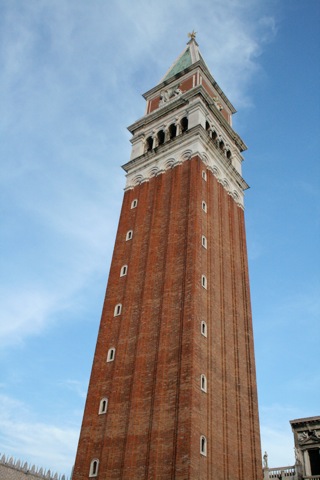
x=192, y=35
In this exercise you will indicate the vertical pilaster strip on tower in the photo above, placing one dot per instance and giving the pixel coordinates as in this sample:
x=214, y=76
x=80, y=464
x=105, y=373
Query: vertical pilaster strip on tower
x=236, y=313
x=224, y=392
x=252, y=414
x=181, y=448
x=209, y=341
x=166, y=226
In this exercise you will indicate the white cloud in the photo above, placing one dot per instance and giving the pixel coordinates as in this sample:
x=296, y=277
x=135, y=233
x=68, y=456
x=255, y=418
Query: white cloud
x=70, y=86
x=72, y=78
x=46, y=445
x=71, y=81
x=268, y=29
x=24, y=312
x=75, y=386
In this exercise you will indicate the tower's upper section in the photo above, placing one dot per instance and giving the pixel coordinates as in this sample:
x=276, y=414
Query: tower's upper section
x=187, y=114
x=188, y=71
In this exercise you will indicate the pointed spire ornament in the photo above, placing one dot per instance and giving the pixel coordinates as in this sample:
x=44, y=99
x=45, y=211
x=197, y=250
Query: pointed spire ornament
x=192, y=35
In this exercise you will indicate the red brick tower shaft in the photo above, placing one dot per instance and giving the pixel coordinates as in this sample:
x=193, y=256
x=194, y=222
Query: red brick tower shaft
x=172, y=393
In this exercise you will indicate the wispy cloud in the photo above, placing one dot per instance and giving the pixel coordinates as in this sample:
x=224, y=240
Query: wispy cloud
x=24, y=313
x=72, y=75
x=64, y=64
x=75, y=386
x=46, y=445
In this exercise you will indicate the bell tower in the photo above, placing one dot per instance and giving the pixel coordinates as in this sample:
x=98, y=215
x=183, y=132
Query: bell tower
x=172, y=393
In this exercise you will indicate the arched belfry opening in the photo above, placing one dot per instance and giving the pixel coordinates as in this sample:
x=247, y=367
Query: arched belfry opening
x=149, y=144
x=161, y=137
x=184, y=124
x=172, y=131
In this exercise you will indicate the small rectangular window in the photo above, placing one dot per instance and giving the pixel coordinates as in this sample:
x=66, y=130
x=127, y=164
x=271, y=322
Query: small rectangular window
x=103, y=406
x=204, y=241
x=134, y=203
x=203, y=445
x=111, y=354
x=117, y=309
x=204, y=175
x=204, y=281
x=204, y=206
x=203, y=328
x=124, y=270
x=203, y=383
x=129, y=235
x=94, y=466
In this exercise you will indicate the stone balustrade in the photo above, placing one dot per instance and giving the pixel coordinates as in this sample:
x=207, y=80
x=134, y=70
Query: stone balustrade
x=284, y=473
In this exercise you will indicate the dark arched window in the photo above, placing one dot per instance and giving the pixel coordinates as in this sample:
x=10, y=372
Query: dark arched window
x=161, y=137
x=117, y=310
x=172, y=130
x=149, y=143
x=228, y=154
x=184, y=124
x=203, y=445
x=129, y=235
x=111, y=354
x=207, y=125
x=214, y=135
x=203, y=383
x=94, y=466
x=103, y=406
x=204, y=328
x=124, y=270
x=221, y=145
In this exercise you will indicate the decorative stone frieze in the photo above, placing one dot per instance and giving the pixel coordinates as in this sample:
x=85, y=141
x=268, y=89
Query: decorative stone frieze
x=169, y=94
x=169, y=156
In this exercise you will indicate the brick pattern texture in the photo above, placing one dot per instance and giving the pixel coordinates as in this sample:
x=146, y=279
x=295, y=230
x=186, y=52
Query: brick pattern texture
x=156, y=409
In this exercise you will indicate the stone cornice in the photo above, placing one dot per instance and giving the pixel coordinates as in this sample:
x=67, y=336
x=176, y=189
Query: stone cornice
x=302, y=421
x=223, y=122
x=199, y=64
x=174, y=152
x=162, y=111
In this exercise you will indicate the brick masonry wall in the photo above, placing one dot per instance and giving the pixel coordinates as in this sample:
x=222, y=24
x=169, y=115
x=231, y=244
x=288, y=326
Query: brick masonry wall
x=156, y=409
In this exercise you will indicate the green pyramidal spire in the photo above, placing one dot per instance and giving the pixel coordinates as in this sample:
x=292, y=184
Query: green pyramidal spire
x=189, y=56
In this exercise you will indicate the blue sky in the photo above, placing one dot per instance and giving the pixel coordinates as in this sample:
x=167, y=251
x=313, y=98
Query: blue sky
x=72, y=75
